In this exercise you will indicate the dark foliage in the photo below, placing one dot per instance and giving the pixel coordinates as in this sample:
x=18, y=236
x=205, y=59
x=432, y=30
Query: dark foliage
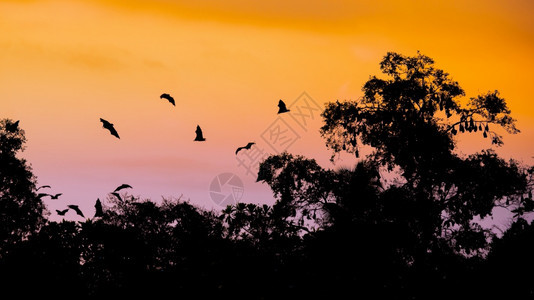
x=331, y=234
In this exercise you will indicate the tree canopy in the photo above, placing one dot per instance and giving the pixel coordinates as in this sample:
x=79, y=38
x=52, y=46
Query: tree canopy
x=330, y=233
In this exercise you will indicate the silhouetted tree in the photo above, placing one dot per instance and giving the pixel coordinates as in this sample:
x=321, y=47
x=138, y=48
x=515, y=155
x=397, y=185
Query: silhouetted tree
x=424, y=221
x=511, y=261
x=21, y=211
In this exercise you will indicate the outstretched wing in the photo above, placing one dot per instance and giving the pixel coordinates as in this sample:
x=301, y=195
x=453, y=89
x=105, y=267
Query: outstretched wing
x=282, y=107
x=117, y=195
x=169, y=98
x=76, y=209
x=122, y=186
x=200, y=136
x=62, y=212
x=44, y=186
x=245, y=147
x=110, y=127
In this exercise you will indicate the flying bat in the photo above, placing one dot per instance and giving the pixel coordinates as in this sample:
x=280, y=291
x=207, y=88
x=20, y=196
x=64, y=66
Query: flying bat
x=41, y=195
x=122, y=186
x=109, y=126
x=76, y=209
x=43, y=186
x=62, y=212
x=98, y=209
x=117, y=195
x=282, y=107
x=245, y=147
x=199, y=136
x=56, y=196
x=168, y=97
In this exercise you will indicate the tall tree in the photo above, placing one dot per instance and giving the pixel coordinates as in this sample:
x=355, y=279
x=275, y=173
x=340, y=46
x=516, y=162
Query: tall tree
x=21, y=211
x=411, y=120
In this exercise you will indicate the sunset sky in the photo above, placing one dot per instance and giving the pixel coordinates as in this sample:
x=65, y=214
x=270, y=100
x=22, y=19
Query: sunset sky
x=66, y=64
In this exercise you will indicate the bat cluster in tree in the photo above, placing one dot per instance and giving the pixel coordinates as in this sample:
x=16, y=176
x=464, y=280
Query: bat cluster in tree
x=471, y=125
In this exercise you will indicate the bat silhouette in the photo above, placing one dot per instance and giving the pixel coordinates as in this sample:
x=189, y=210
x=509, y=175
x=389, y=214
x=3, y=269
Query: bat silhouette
x=12, y=127
x=43, y=186
x=168, y=97
x=41, y=195
x=109, y=126
x=122, y=186
x=98, y=209
x=244, y=147
x=199, y=136
x=76, y=209
x=117, y=195
x=62, y=212
x=282, y=107
x=56, y=196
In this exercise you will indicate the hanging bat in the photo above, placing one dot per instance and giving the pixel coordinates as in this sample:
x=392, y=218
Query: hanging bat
x=122, y=186
x=168, y=97
x=245, y=147
x=282, y=107
x=109, y=126
x=76, y=209
x=200, y=136
x=98, y=209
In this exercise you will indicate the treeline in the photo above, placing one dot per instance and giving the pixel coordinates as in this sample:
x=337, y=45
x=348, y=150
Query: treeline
x=345, y=233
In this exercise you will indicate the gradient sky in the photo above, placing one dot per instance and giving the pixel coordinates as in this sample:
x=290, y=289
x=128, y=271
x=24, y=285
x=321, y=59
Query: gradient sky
x=65, y=64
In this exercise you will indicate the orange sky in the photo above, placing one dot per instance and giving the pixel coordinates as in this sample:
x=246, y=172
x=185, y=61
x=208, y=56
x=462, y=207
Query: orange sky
x=65, y=64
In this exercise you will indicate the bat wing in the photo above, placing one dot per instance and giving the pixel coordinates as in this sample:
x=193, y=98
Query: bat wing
x=109, y=126
x=122, y=186
x=76, y=209
x=113, y=131
x=117, y=195
x=282, y=107
x=62, y=212
x=169, y=98
x=249, y=145
x=238, y=149
x=200, y=136
x=104, y=123
x=79, y=212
